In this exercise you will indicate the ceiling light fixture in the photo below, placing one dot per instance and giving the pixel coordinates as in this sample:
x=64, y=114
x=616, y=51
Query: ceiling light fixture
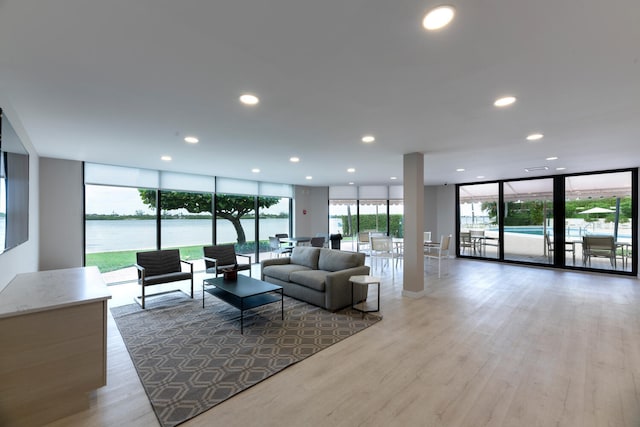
x=504, y=101
x=535, y=137
x=460, y=170
x=438, y=18
x=294, y=159
x=308, y=177
x=560, y=169
x=393, y=178
x=191, y=139
x=368, y=139
x=480, y=176
x=351, y=170
x=249, y=99
x=536, y=168
x=166, y=158
x=552, y=158
x=351, y=183
x=255, y=170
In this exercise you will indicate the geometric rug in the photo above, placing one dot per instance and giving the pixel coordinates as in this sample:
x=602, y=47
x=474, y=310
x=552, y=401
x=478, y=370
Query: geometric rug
x=190, y=359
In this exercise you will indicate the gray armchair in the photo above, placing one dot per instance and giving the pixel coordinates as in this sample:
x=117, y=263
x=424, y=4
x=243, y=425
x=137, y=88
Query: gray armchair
x=157, y=267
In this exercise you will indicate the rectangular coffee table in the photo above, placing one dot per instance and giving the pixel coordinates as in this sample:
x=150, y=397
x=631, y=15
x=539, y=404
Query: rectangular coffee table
x=244, y=293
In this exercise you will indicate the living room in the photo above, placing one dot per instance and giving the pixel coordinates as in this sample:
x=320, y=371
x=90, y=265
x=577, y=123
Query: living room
x=489, y=343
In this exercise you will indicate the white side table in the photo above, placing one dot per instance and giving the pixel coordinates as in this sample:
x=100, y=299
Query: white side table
x=361, y=306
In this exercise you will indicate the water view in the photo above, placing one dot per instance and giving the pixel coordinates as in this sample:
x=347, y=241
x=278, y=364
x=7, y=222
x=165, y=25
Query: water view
x=117, y=235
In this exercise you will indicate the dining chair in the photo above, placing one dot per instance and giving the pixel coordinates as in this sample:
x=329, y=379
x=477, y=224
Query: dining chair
x=317, y=242
x=363, y=243
x=439, y=253
x=426, y=237
x=383, y=253
x=276, y=248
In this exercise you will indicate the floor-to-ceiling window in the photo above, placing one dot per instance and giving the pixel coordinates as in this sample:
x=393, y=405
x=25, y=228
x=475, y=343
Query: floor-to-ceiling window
x=186, y=223
x=580, y=221
x=528, y=220
x=129, y=210
x=372, y=215
x=118, y=223
x=599, y=210
x=274, y=218
x=478, y=210
x=343, y=220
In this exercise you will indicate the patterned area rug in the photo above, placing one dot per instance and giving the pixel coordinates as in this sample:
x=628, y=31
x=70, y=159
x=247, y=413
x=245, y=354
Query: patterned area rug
x=190, y=359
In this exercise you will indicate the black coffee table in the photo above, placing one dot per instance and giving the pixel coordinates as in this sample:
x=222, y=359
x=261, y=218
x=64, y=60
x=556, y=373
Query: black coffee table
x=243, y=293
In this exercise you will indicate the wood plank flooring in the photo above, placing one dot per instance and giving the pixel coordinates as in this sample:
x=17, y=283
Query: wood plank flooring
x=489, y=345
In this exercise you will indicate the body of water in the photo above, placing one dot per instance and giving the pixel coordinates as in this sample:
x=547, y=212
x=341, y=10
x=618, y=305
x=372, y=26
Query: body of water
x=118, y=235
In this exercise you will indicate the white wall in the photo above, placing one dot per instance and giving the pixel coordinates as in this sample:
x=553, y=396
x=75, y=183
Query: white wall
x=315, y=202
x=23, y=258
x=446, y=210
x=61, y=214
x=431, y=211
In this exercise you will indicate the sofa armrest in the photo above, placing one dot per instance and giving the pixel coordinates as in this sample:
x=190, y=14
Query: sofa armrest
x=338, y=288
x=272, y=261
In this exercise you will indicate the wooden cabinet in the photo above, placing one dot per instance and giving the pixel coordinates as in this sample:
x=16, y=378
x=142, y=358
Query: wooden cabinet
x=52, y=344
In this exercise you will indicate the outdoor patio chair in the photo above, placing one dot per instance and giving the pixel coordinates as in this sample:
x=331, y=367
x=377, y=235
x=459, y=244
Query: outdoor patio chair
x=382, y=248
x=465, y=241
x=218, y=258
x=598, y=247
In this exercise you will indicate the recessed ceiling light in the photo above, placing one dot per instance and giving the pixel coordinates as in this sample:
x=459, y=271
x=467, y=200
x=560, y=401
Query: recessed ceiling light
x=191, y=139
x=552, y=158
x=438, y=18
x=249, y=99
x=351, y=170
x=459, y=170
x=308, y=177
x=504, y=101
x=368, y=139
x=560, y=169
x=535, y=137
x=166, y=158
x=351, y=183
x=255, y=170
x=294, y=159
x=480, y=176
x=393, y=178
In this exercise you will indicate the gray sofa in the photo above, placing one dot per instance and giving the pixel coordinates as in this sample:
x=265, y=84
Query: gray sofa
x=319, y=276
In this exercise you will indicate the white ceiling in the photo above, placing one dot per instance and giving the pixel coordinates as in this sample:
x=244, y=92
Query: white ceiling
x=123, y=81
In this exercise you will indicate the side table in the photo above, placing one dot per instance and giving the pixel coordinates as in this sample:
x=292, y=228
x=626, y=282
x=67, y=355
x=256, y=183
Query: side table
x=364, y=281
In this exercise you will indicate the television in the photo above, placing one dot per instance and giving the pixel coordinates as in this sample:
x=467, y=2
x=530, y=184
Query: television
x=14, y=187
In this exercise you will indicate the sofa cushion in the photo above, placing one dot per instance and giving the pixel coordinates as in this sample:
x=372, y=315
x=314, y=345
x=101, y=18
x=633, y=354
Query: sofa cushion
x=335, y=260
x=282, y=271
x=305, y=255
x=314, y=279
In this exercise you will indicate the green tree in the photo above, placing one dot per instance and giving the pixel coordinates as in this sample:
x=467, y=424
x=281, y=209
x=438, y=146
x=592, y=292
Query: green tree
x=229, y=207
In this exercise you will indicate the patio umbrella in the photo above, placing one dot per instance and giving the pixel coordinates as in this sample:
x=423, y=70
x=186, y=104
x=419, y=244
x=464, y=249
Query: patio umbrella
x=596, y=211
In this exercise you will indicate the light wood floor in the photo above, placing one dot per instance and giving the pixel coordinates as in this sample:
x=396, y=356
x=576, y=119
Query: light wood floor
x=489, y=345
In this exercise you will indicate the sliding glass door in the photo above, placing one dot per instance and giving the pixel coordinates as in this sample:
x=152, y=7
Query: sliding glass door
x=582, y=221
x=528, y=220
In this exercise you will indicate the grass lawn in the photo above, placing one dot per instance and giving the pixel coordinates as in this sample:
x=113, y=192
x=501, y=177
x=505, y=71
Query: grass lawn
x=116, y=260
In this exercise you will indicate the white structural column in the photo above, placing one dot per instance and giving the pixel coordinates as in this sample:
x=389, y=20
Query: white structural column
x=413, y=165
